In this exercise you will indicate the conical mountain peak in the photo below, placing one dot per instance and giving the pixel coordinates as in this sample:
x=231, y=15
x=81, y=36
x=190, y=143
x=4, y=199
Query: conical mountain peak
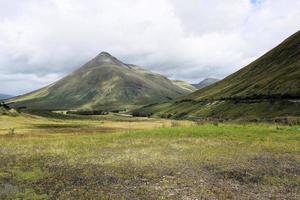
x=104, y=53
x=103, y=83
x=105, y=58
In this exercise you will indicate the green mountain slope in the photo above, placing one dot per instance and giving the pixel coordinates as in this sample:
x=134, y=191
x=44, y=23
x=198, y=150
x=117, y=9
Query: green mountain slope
x=104, y=83
x=267, y=88
x=277, y=73
x=184, y=85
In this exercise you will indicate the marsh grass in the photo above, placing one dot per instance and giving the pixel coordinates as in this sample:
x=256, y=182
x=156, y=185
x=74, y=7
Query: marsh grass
x=149, y=160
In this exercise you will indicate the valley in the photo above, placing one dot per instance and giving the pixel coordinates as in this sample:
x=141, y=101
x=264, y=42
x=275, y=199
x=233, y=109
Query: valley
x=111, y=130
x=149, y=100
x=115, y=157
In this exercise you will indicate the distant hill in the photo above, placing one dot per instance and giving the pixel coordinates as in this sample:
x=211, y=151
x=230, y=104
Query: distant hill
x=267, y=88
x=5, y=96
x=184, y=85
x=104, y=83
x=206, y=82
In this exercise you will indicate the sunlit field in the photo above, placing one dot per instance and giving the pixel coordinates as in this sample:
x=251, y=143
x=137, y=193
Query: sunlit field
x=117, y=157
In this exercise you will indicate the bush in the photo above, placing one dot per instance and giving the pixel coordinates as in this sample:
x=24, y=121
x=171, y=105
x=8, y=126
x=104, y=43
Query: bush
x=88, y=112
x=4, y=105
x=141, y=114
x=11, y=132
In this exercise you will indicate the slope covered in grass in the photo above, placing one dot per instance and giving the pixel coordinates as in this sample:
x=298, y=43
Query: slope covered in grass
x=277, y=73
x=185, y=85
x=104, y=83
x=267, y=88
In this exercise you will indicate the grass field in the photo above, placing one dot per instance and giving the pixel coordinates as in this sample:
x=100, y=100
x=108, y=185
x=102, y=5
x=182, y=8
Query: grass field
x=128, y=158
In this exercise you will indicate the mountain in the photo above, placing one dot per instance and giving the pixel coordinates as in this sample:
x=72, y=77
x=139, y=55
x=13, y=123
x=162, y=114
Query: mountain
x=206, y=82
x=184, y=85
x=5, y=96
x=267, y=88
x=104, y=83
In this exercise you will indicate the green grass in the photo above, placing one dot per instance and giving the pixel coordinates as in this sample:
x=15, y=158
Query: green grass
x=227, y=161
x=276, y=73
x=259, y=111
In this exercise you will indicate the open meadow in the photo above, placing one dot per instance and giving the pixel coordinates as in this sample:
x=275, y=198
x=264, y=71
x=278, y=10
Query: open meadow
x=117, y=157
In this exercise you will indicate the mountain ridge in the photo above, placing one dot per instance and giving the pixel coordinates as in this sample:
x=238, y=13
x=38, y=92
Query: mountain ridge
x=269, y=75
x=267, y=88
x=103, y=83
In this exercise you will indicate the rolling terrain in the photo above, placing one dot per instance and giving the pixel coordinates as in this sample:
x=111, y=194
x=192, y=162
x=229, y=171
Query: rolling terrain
x=104, y=83
x=265, y=89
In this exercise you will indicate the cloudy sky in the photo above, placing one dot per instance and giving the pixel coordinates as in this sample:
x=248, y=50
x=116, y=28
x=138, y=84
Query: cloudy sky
x=43, y=40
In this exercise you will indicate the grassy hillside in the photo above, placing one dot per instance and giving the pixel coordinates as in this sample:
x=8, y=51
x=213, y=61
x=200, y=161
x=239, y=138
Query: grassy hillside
x=104, y=83
x=184, y=85
x=92, y=158
x=267, y=111
x=267, y=88
x=277, y=73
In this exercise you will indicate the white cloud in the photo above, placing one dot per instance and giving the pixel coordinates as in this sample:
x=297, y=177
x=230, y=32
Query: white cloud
x=202, y=16
x=41, y=41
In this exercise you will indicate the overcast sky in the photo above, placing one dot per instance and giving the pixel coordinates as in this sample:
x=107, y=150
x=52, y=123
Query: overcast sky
x=43, y=40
